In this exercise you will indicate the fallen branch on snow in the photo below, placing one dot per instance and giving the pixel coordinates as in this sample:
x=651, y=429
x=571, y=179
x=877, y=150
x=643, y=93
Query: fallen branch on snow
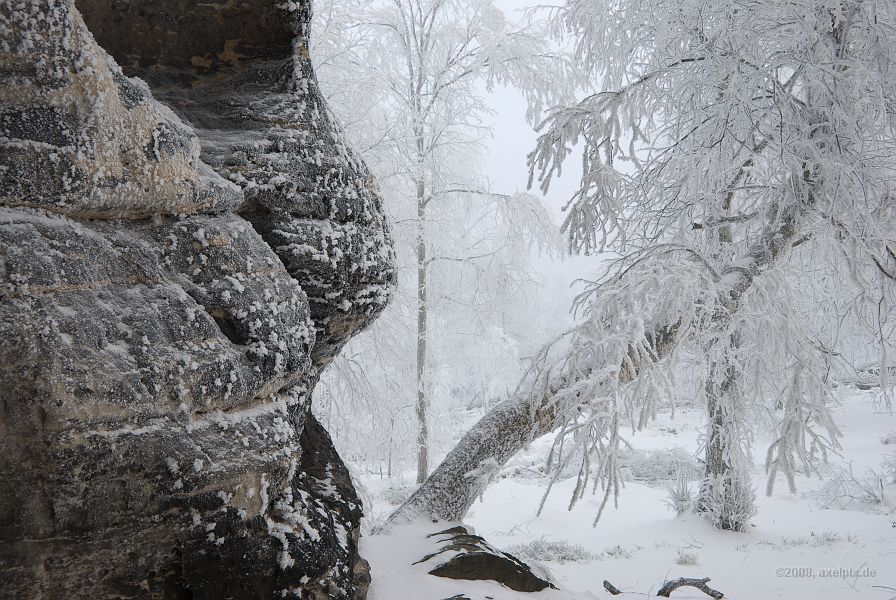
x=671, y=586
x=700, y=584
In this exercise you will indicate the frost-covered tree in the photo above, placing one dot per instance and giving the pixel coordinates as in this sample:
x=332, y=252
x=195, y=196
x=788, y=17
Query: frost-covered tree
x=410, y=76
x=729, y=144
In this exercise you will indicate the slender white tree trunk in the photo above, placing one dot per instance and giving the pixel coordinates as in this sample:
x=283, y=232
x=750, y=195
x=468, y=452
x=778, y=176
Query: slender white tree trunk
x=726, y=497
x=422, y=308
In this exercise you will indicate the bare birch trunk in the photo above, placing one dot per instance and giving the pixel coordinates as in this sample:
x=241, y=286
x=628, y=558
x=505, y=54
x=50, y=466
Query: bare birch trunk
x=422, y=428
x=726, y=497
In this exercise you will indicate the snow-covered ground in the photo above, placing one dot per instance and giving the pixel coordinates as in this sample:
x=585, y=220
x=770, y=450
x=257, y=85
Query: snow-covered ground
x=794, y=549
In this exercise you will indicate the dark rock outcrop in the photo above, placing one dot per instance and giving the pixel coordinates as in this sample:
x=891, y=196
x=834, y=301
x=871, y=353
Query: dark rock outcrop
x=185, y=243
x=464, y=555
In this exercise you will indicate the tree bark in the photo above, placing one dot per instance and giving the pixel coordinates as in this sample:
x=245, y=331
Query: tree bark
x=718, y=396
x=700, y=584
x=726, y=484
x=422, y=309
x=416, y=94
x=726, y=497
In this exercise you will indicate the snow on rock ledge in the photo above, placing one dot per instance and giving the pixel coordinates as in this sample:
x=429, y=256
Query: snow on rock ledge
x=179, y=258
x=460, y=554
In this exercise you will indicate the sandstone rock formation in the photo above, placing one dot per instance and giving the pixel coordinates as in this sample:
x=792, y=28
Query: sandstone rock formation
x=460, y=554
x=185, y=243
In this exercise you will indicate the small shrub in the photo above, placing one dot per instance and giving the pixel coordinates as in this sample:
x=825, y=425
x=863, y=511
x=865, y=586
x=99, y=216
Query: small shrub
x=559, y=551
x=681, y=496
x=890, y=468
x=825, y=538
x=686, y=558
x=616, y=552
x=845, y=489
x=658, y=466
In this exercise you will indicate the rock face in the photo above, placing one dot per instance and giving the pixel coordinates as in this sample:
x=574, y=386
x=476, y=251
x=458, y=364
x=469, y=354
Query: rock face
x=463, y=555
x=185, y=243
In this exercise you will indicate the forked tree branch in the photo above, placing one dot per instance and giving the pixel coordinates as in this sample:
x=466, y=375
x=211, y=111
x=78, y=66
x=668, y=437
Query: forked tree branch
x=700, y=584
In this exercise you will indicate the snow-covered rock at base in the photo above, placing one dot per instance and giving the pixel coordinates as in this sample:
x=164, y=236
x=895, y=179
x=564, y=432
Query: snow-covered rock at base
x=461, y=554
x=395, y=555
x=168, y=300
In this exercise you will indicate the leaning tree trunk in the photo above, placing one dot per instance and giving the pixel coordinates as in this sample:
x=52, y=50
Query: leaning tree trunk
x=448, y=493
x=452, y=488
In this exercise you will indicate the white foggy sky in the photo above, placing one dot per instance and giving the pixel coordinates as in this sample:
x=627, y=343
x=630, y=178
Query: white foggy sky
x=514, y=138
x=505, y=166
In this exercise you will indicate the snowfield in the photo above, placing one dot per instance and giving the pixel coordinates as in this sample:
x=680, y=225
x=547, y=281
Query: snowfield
x=801, y=546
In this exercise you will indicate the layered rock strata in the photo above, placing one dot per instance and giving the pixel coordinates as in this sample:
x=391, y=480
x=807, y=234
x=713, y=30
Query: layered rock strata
x=185, y=243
